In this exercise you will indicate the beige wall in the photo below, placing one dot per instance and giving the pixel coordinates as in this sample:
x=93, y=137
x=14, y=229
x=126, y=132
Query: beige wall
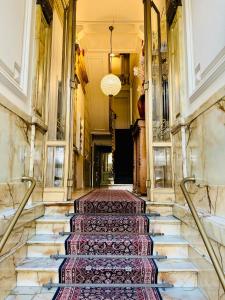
x=55, y=73
x=98, y=103
x=82, y=110
x=136, y=84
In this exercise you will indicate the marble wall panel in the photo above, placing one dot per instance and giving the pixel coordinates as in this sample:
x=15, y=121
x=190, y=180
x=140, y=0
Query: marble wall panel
x=17, y=251
x=38, y=166
x=11, y=194
x=205, y=150
x=15, y=145
x=178, y=166
x=205, y=144
x=14, y=157
x=22, y=230
x=8, y=273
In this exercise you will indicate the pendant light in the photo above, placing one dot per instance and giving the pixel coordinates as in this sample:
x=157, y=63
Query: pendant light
x=111, y=84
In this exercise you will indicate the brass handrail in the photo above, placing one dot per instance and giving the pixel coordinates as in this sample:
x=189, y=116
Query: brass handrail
x=202, y=231
x=18, y=212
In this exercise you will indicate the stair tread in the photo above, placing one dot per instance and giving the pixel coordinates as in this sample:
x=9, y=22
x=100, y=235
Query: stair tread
x=53, y=219
x=47, y=264
x=37, y=293
x=164, y=219
x=177, y=293
x=50, y=239
x=65, y=219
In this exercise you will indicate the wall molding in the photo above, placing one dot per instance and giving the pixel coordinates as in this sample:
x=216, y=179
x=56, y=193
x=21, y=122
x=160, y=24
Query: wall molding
x=215, y=224
x=7, y=104
x=208, y=104
x=19, y=87
x=210, y=75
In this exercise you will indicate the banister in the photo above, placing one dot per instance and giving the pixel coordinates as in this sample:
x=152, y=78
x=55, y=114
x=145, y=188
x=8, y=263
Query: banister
x=208, y=245
x=18, y=212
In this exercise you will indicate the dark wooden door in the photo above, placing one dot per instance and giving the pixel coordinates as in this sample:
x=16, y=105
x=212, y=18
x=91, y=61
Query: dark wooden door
x=123, y=157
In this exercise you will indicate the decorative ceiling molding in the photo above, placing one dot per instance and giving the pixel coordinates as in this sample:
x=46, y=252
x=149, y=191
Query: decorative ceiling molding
x=93, y=24
x=82, y=22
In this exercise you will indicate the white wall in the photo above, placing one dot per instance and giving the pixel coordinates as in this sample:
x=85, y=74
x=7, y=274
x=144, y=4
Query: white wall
x=209, y=30
x=205, y=49
x=12, y=18
x=16, y=36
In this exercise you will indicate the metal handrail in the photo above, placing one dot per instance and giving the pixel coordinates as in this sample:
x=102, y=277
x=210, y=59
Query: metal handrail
x=18, y=212
x=202, y=231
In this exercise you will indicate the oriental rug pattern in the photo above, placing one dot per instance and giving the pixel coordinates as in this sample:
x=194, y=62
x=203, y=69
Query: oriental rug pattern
x=109, y=222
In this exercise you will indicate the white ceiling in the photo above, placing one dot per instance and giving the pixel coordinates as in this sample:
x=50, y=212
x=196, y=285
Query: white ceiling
x=95, y=17
x=110, y=10
x=93, y=21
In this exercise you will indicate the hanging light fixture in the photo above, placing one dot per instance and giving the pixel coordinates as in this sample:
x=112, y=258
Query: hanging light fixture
x=111, y=84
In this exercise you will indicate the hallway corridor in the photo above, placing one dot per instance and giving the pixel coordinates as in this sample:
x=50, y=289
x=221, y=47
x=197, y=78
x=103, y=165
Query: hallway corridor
x=112, y=143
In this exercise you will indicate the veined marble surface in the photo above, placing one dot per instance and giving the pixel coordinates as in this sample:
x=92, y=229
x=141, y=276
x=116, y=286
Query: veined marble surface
x=205, y=150
x=15, y=144
x=205, y=144
x=38, y=293
x=15, y=249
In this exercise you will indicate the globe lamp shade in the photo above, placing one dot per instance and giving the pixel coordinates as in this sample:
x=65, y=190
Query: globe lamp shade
x=111, y=85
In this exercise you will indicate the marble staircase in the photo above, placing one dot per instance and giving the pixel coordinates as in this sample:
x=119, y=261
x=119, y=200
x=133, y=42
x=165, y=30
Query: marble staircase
x=39, y=268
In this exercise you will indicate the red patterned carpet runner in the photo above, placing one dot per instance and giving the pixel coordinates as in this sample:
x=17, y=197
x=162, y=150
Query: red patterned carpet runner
x=110, y=201
x=109, y=222
x=102, y=244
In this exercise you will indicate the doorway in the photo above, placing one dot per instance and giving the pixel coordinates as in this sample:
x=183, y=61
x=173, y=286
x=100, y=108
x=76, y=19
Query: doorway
x=123, y=157
x=103, y=166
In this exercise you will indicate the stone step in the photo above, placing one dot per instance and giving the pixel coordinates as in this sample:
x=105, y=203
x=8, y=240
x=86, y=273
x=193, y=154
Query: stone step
x=52, y=224
x=168, y=225
x=59, y=208
x=46, y=245
x=39, y=271
x=182, y=293
x=164, y=209
x=62, y=208
x=40, y=293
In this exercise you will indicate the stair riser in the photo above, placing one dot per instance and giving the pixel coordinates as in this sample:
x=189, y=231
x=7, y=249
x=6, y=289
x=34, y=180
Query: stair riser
x=69, y=208
x=167, y=229
x=171, y=251
x=162, y=210
x=36, y=293
x=52, y=228
x=179, y=279
x=38, y=278
x=55, y=228
x=59, y=210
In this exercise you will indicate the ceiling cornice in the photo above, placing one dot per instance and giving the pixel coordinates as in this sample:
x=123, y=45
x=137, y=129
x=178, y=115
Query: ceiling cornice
x=83, y=22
